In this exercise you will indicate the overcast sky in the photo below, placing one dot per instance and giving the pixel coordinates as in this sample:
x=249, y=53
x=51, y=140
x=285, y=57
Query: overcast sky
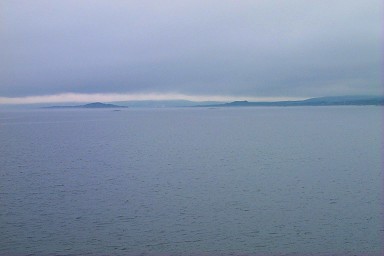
x=220, y=48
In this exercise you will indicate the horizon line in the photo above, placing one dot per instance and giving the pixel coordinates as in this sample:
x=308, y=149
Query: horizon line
x=115, y=97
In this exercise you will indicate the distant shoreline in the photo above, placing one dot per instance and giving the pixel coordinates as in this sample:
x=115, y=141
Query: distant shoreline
x=322, y=101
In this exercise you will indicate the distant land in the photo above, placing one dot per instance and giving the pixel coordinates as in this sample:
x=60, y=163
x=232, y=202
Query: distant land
x=322, y=101
x=90, y=105
x=164, y=103
x=133, y=104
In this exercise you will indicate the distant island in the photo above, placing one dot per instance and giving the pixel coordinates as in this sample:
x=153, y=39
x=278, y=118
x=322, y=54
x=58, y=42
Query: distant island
x=322, y=101
x=91, y=105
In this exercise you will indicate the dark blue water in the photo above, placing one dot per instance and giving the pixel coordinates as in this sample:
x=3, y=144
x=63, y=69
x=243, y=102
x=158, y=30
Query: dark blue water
x=261, y=181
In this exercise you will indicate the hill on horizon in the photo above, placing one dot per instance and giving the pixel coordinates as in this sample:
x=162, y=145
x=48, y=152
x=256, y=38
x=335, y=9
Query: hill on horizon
x=320, y=101
x=91, y=105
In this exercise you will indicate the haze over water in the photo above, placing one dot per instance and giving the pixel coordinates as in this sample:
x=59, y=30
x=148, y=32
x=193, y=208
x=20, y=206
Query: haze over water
x=259, y=181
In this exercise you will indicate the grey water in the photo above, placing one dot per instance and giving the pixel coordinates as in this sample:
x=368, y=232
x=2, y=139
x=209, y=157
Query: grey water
x=259, y=181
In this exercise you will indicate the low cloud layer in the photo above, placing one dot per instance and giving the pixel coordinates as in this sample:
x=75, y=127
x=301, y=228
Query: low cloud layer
x=233, y=48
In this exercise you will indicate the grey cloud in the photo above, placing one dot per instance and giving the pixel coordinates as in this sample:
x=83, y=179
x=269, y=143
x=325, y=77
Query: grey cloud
x=257, y=48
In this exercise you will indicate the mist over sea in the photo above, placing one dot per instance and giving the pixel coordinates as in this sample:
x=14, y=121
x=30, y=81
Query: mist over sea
x=182, y=181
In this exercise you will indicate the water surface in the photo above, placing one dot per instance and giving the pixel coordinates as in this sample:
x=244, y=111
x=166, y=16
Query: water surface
x=262, y=181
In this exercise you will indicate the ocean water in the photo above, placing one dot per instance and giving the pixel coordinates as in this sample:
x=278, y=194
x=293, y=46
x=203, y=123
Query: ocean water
x=258, y=181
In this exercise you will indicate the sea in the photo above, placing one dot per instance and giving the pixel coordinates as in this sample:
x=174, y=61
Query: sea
x=192, y=181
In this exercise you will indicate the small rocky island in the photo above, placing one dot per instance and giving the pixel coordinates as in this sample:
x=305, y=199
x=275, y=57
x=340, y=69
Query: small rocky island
x=91, y=105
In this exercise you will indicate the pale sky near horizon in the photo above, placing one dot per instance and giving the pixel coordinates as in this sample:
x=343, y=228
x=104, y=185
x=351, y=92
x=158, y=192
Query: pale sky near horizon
x=58, y=51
